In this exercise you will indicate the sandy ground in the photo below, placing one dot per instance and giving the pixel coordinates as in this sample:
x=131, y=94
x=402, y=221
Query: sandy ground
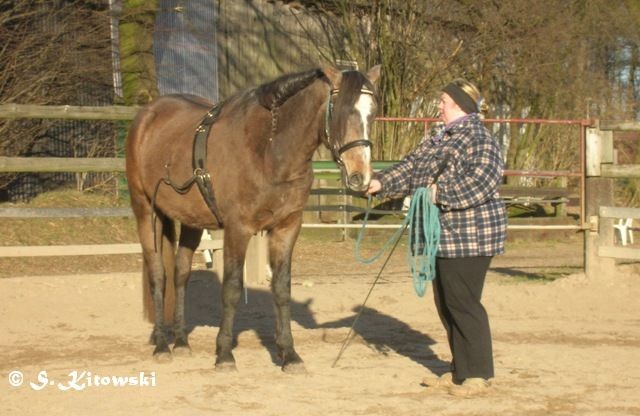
x=569, y=347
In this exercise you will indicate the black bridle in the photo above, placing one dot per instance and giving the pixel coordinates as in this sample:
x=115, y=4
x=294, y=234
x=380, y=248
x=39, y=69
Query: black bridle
x=335, y=150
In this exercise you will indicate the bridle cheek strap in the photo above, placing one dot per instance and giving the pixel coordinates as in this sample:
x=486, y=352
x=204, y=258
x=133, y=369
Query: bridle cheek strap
x=337, y=153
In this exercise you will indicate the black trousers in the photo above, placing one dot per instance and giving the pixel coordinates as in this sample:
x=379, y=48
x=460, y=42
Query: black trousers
x=457, y=290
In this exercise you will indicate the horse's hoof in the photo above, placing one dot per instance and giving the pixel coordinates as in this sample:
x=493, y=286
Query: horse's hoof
x=181, y=347
x=182, y=351
x=294, y=368
x=162, y=353
x=293, y=364
x=162, y=357
x=226, y=366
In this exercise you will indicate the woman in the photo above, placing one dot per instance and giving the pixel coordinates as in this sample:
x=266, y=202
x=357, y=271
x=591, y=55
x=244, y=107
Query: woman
x=473, y=228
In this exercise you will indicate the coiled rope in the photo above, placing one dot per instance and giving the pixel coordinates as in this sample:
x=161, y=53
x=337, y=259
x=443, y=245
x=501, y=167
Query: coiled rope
x=423, y=223
x=423, y=216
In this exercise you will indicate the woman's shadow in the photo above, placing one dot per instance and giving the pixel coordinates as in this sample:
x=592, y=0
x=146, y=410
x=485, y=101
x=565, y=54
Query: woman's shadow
x=385, y=333
x=379, y=331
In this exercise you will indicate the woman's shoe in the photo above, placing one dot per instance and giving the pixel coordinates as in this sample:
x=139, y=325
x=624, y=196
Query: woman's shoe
x=443, y=381
x=470, y=387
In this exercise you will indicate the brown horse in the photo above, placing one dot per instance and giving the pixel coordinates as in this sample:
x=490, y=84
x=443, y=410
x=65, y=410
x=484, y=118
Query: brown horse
x=259, y=173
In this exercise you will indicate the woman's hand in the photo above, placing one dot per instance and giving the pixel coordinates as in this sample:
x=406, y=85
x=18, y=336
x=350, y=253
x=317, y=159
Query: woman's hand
x=374, y=187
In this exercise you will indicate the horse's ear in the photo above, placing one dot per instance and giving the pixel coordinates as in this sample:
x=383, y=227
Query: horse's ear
x=334, y=75
x=374, y=74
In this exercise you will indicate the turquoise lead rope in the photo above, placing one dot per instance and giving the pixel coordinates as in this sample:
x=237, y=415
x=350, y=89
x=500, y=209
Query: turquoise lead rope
x=421, y=219
x=422, y=265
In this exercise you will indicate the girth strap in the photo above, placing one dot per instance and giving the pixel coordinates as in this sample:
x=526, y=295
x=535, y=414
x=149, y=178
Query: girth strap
x=201, y=176
x=200, y=173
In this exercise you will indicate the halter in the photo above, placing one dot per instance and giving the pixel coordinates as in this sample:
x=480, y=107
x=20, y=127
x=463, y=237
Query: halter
x=338, y=151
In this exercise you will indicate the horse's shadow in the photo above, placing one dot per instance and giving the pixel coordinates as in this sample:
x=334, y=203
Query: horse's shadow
x=378, y=330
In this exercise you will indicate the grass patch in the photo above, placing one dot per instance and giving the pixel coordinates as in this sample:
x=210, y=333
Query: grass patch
x=60, y=231
x=49, y=231
x=70, y=198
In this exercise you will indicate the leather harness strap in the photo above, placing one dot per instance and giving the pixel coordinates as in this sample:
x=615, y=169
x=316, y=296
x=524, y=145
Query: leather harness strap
x=201, y=175
x=200, y=172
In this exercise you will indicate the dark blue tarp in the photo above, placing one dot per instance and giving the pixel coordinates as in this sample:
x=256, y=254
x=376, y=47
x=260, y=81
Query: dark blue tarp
x=185, y=48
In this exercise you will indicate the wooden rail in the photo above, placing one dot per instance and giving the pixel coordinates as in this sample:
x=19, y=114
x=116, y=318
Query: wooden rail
x=632, y=125
x=326, y=169
x=620, y=171
x=88, y=249
x=68, y=112
x=61, y=164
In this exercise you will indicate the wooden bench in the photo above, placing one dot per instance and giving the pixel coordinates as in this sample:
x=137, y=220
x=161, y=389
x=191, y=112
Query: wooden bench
x=343, y=203
x=557, y=197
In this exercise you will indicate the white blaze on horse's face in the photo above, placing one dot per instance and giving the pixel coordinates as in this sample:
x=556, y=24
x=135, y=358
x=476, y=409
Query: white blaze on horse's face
x=365, y=108
x=357, y=160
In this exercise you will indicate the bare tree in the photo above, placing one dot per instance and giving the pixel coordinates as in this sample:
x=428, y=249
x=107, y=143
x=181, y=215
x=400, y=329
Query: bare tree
x=545, y=59
x=137, y=22
x=52, y=52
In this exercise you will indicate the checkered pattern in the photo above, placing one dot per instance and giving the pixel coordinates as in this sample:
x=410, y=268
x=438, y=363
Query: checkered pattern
x=472, y=216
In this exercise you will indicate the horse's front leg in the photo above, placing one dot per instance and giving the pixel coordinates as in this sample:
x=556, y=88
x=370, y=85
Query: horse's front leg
x=281, y=242
x=235, y=247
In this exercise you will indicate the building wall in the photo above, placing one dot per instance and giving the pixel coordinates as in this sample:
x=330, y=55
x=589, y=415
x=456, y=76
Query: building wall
x=214, y=49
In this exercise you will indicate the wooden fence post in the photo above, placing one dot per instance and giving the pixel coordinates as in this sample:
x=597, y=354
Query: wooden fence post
x=599, y=192
x=257, y=259
x=218, y=255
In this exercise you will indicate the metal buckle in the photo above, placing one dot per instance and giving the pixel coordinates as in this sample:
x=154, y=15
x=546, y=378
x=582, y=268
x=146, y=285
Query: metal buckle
x=201, y=173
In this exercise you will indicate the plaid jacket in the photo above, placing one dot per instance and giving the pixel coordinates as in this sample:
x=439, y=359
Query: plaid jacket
x=472, y=216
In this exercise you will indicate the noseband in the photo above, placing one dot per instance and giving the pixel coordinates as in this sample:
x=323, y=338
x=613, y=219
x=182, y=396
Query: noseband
x=338, y=151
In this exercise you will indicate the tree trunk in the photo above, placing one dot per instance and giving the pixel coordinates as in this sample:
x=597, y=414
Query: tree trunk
x=136, y=51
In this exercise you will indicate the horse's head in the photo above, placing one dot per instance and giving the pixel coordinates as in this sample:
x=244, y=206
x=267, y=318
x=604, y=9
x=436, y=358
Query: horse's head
x=350, y=112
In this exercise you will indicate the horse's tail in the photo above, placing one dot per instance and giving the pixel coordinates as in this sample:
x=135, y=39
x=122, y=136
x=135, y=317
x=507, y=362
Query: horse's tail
x=168, y=251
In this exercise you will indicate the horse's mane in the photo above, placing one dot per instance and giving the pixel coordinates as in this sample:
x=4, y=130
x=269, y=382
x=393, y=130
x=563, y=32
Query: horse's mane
x=273, y=94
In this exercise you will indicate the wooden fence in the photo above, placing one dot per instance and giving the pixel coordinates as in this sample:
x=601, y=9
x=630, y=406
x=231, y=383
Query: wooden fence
x=257, y=252
x=601, y=170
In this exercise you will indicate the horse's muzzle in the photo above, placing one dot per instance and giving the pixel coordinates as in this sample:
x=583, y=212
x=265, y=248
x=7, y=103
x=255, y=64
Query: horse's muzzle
x=355, y=181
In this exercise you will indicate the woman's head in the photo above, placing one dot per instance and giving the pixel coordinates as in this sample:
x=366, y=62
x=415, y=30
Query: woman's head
x=458, y=98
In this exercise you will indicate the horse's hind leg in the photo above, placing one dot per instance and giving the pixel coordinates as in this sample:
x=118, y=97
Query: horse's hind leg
x=281, y=241
x=189, y=240
x=235, y=247
x=152, y=252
